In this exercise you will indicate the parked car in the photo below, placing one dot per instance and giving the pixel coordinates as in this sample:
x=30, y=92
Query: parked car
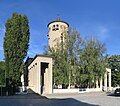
x=117, y=92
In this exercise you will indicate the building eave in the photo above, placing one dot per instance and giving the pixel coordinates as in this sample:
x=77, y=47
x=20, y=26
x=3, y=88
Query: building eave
x=39, y=55
x=58, y=21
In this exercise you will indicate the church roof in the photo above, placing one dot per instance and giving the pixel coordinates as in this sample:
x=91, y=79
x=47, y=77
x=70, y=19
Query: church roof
x=58, y=20
x=37, y=55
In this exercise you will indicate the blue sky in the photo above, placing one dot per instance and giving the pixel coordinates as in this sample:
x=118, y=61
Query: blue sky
x=100, y=18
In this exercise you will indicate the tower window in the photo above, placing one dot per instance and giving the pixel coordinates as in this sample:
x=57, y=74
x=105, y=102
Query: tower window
x=53, y=27
x=57, y=27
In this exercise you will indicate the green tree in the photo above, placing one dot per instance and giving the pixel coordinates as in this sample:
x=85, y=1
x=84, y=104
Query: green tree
x=114, y=63
x=92, y=62
x=16, y=42
x=72, y=45
x=2, y=73
x=78, y=61
x=65, y=58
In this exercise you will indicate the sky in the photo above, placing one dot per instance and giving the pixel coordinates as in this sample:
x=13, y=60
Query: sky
x=98, y=18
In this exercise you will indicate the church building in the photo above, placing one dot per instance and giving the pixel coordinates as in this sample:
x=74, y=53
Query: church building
x=38, y=71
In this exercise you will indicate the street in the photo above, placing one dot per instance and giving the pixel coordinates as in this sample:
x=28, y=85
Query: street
x=87, y=99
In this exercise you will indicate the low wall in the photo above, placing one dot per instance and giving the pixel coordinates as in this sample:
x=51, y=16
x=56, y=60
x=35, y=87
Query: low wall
x=114, y=88
x=65, y=90
x=82, y=90
x=93, y=89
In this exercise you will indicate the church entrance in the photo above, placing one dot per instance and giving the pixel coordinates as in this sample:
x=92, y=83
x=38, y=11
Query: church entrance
x=44, y=77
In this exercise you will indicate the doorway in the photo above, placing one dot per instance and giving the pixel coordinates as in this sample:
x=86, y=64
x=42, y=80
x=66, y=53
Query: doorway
x=44, y=66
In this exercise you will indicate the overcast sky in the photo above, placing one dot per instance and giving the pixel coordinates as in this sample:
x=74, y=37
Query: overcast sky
x=100, y=18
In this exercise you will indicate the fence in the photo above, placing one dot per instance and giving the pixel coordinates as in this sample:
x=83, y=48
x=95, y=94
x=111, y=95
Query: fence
x=2, y=91
x=5, y=92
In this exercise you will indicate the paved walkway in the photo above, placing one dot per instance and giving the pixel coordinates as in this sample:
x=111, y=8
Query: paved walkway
x=24, y=96
x=94, y=98
x=87, y=99
x=37, y=100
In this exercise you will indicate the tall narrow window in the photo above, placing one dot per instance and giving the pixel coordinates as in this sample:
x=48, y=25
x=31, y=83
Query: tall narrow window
x=53, y=27
x=57, y=27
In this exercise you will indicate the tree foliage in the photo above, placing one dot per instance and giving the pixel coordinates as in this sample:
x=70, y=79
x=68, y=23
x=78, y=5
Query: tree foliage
x=16, y=42
x=64, y=56
x=92, y=62
x=77, y=60
x=2, y=73
x=114, y=63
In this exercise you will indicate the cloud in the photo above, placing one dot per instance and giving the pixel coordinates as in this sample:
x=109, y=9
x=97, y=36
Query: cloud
x=102, y=33
x=104, y=30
